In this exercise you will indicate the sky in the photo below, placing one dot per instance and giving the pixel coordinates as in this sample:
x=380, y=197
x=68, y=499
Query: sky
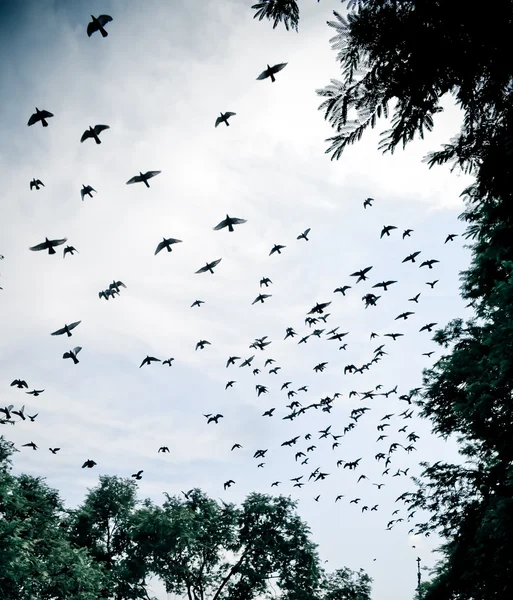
x=159, y=80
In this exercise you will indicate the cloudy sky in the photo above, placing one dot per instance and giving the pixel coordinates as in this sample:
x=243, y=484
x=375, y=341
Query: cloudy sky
x=159, y=80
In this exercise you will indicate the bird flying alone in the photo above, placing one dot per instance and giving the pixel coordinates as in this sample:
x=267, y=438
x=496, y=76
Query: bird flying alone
x=224, y=118
x=229, y=222
x=48, y=245
x=94, y=132
x=166, y=243
x=66, y=329
x=36, y=183
x=143, y=177
x=98, y=24
x=86, y=191
x=40, y=115
x=271, y=71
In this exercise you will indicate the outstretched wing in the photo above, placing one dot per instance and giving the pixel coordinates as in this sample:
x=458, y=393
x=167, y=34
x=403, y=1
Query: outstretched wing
x=87, y=134
x=215, y=263
x=135, y=179
x=203, y=269
x=58, y=242
x=264, y=74
x=150, y=174
x=99, y=128
x=59, y=331
x=37, y=247
x=73, y=325
x=278, y=67
x=221, y=225
x=229, y=114
x=33, y=119
x=218, y=120
x=236, y=221
x=160, y=246
x=77, y=349
x=104, y=19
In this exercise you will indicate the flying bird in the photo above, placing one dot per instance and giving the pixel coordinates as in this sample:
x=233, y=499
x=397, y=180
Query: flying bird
x=201, y=344
x=384, y=284
x=342, y=289
x=98, y=24
x=54, y=450
x=224, y=118
x=66, y=329
x=414, y=299
x=229, y=222
x=271, y=71
x=229, y=384
x=94, y=132
x=197, y=303
x=236, y=446
x=265, y=281
x=261, y=298
x=19, y=383
x=368, y=202
x=30, y=445
x=148, y=360
x=40, y=115
x=168, y=362
x=137, y=475
x=143, y=177
x=163, y=449
x=48, y=245
x=361, y=274
x=228, y=483
x=303, y=236
x=36, y=183
x=277, y=248
x=429, y=263
x=73, y=354
x=428, y=327
x=432, y=283
x=35, y=393
x=209, y=267
x=166, y=243
x=450, y=237
x=406, y=233
x=404, y=315
x=89, y=464
x=214, y=419
x=386, y=230
x=69, y=250
x=86, y=191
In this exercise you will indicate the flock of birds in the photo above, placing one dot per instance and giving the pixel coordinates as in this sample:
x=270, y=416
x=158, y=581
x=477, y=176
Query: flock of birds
x=316, y=319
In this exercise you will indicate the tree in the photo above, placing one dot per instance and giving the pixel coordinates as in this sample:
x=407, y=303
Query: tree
x=102, y=525
x=38, y=562
x=345, y=584
x=205, y=550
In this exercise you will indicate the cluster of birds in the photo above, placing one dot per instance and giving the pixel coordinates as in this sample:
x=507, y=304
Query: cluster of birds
x=316, y=318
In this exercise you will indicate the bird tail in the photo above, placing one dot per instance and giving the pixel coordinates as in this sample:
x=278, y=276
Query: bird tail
x=51, y=250
x=227, y=124
x=230, y=227
x=146, y=183
x=97, y=139
x=273, y=78
x=44, y=123
x=104, y=33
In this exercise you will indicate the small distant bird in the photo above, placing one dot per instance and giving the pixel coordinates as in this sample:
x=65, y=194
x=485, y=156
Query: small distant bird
x=40, y=115
x=69, y=250
x=404, y=315
x=228, y=483
x=30, y=445
x=98, y=24
x=368, y=202
x=36, y=183
x=415, y=298
x=386, y=230
x=168, y=361
x=89, y=464
x=202, y=343
x=261, y=298
x=229, y=384
x=361, y=274
x=209, y=267
x=214, y=418
x=342, y=290
x=236, y=446
x=429, y=263
x=148, y=360
x=35, y=393
x=428, y=354
x=229, y=222
x=271, y=71
x=224, y=118
x=197, y=303
x=137, y=475
x=432, y=283
x=19, y=383
x=231, y=360
x=86, y=191
x=20, y=413
x=303, y=236
x=48, y=245
x=384, y=284
x=428, y=327
x=265, y=281
x=54, y=450
x=166, y=243
x=73, y=354
x=94, y=132
x=277, y=248
x=450, y=237
x=411, y=257
x=163, y=449
x=406, y=233
x=143, y=177
x=66, y=329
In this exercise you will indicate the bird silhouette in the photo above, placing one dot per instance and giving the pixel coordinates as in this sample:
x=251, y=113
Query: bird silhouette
x=148, y=360
x=450, y=237
x=89, y=464
x=429, y=263
x=303, y=236
x=271, y=71
x=342, y=289
x=228, y=483
x=209, y=267
x=73, y=354
x=48, y=245
x=98, y=24
x=224, y=118
x=384, y=285
x=432, y=283
x=428, y=327
x=168, y=362
x=19, y=383
x=236, y=446
x=166, y=243
x=261, y=298
x=67, y=329
x=229, y=384
x=414, y=299
x=30, y=445
x=35, y=393
x=54, y=450
x=197, y=303
x=163, y=449
x=229, y=222
x=137, y=475
x=368, y=202
x=86, y=191
x=406, y=233
x=143, y=177
x=214, y=418
x=40, y=115
x=36, y=183
x=202, y=343
x=387, y=229
x=94, y=132
x=277, y=248
x=411, y=257
x=69, y=250
x=361, y=274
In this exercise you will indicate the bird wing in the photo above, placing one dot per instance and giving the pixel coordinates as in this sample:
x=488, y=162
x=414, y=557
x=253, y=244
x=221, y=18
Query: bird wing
x=42, y=246
x=218, y=120
x=160, y=246
x=33, y=119
x=87, y=133
x=237, y=221
x=223, y=223
x=229, y=114
x=202, y=270
x=264, y=74
x=278, y=67
x=150, y=174
x=77, y=349
x=135, y=179
x=73, y=325
x=58, y=242
x=59, y=331
x=104, y=19
x=46, y=114
x=215, y=262
x=99, y=128
x=66, y=355
x=91, y=28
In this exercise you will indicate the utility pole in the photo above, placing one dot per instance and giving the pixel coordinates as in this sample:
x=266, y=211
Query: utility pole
x=418, y=578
